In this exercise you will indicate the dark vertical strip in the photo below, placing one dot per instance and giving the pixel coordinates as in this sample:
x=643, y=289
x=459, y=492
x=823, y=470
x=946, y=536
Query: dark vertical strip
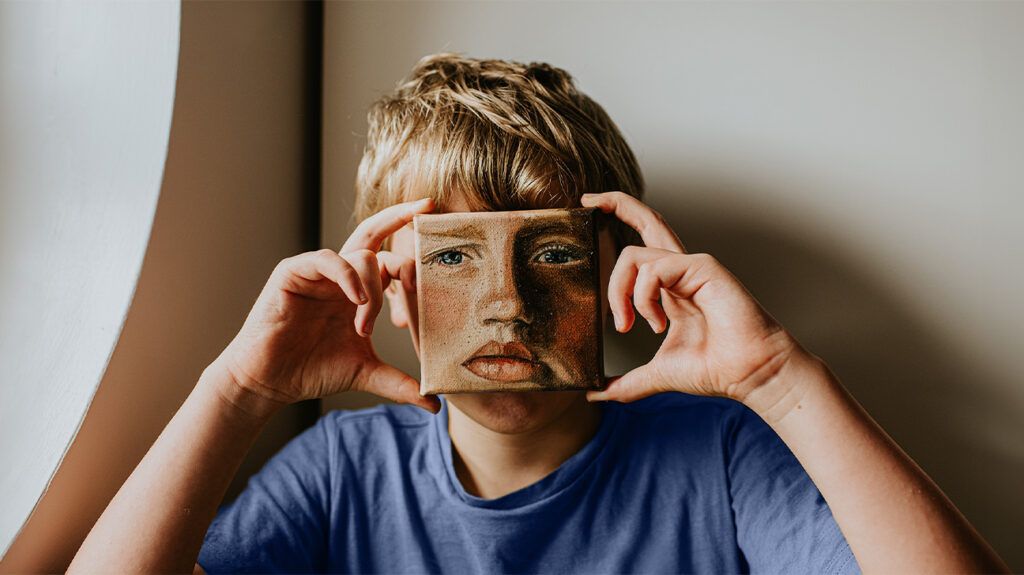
x=314, y=59
x=313, y=55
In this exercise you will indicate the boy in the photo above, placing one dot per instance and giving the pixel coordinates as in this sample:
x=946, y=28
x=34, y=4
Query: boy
x=703, y=460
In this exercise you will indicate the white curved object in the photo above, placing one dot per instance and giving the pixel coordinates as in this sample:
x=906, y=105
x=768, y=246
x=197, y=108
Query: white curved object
x=86, y=96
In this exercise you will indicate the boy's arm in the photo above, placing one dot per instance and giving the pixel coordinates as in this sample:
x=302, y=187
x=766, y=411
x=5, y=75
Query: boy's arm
x=893, y=516
x=306, y=336
x=157, y=520
x=721, y=342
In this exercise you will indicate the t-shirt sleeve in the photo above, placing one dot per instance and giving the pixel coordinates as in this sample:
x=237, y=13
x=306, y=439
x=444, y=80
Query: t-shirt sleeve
x=279, y=523
x=783, y=524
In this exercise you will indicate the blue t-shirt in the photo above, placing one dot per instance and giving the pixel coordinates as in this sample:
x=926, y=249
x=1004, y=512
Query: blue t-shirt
x=669, y=484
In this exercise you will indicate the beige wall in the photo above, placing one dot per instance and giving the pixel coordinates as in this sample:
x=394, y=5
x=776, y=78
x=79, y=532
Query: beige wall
x=86, y=93
x=230, y=208
x=856, y=165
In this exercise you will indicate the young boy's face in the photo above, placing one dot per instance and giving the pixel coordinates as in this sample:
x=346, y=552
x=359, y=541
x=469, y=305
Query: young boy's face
x=518, y=411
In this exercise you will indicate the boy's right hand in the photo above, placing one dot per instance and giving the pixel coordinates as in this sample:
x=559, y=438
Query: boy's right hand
x=307, y=335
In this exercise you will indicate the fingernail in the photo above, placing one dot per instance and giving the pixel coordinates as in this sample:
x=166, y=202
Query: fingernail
x=362, y=296
x=363, y=331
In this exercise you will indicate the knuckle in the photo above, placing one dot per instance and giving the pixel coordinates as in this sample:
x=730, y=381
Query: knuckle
x=325, y=255
x=284, y=263
x=647, y=283
x=706, y=259
x=345, y=271
x=358, y=259
x=667, y=263
x=349, y=272
x=631, y=252
x=385, y=261
x=365, y=255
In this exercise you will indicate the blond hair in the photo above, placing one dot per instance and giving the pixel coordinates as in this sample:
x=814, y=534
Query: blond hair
x=503, y=134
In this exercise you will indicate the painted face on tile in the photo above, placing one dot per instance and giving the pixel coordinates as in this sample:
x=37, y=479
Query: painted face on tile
x=508, y=301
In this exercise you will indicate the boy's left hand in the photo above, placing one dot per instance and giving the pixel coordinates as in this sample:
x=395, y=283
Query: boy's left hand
x=720, y=341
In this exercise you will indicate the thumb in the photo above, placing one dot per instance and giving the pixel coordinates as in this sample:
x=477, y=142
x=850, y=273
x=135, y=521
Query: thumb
x=631, y=386
x=391, y=383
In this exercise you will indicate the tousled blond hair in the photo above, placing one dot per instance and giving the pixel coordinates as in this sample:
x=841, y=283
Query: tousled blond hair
x=503, y=134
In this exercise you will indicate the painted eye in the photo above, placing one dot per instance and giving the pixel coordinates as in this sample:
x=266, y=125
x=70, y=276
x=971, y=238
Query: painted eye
x=557, y=256
x=450, y=258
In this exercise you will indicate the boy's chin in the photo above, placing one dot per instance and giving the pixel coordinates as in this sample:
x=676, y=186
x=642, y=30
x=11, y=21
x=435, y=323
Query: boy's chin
x=514, y=412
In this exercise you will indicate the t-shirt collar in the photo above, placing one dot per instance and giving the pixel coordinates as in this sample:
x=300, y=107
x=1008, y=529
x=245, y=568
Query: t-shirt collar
x=549, y=486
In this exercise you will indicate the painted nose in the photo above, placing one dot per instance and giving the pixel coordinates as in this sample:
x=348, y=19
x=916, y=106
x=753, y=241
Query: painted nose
x=502, y=300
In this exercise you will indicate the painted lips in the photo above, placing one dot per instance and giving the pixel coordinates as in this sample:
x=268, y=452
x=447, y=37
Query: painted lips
x=506, y=362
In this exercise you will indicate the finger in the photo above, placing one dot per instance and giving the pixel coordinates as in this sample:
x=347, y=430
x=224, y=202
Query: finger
x=411, y=303
x=636, y=384
x=646, y=296
x=396, y=267
x=372, y=232
x=327, y=264
x=620, y=292
x=682, y=275
x=622, y=281
x=391, y=383
x=685, y=274
x=365, y=263
x=639, y=216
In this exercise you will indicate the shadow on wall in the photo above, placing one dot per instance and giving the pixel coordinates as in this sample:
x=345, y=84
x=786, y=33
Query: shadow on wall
x=910, y=380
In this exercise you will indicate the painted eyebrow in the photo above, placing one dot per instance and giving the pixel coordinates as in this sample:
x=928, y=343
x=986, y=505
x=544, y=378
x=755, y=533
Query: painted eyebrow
x=463, y=232
x=533, y=232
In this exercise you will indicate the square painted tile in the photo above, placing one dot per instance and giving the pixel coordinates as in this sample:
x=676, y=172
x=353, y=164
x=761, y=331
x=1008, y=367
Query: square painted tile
x=509, y=301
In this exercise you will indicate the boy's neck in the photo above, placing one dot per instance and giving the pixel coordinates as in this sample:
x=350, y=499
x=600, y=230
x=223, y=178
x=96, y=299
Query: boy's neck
x=490, y=464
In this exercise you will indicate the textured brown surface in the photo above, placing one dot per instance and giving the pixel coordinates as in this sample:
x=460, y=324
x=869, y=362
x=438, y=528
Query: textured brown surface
x=508, y=301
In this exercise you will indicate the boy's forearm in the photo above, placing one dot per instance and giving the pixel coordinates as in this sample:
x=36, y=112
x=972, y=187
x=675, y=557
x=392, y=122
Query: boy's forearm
x=157, y=520
x=893, y=516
